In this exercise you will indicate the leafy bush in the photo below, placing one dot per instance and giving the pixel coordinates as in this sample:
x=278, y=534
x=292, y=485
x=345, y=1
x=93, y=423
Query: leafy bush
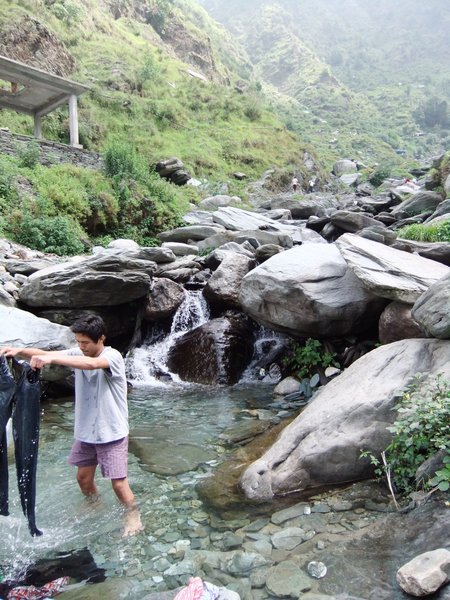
x=121, y=159
x=147, y=203
x=309, y=358
x=59, y=235
x=420, y=431
x=8, y=174
x=84, y=195
x=379, y=176
x=29, y=154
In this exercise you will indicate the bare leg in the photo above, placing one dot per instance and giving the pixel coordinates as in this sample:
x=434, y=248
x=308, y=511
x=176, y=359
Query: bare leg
x=85, y=479
x=124, y=494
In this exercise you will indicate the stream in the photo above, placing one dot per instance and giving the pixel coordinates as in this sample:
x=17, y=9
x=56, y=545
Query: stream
x=186, y=426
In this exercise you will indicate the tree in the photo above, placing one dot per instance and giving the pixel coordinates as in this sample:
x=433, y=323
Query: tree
x=432, y=112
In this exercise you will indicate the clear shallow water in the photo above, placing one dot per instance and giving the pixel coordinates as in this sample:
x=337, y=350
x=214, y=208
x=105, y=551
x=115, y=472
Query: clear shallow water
x=169, y=505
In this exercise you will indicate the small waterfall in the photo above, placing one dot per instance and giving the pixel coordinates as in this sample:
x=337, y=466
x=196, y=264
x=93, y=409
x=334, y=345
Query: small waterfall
x=268, y=349
x=147, y=364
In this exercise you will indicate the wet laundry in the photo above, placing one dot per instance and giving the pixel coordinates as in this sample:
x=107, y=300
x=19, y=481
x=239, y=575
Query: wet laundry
x=20, y=392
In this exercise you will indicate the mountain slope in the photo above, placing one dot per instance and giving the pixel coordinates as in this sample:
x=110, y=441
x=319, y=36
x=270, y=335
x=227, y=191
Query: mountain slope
x=369, y=69
x=156, y=80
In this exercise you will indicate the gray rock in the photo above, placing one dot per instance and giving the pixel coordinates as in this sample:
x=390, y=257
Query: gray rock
x=387, y=272
x=308, y=291
x=431, y=310
x=426, y=573
x=316, y=569
x=352, y=412
x=225, y=346
x=219, y=201
x=287, y=579
x=353, y=221
x=288, y=538
x=190, y=232
x=180, y=249
x=396, y=323
x=438, y=251
x=98, y=281
x=163, y=299
x=344, y=166
x=417, y=204
x=150, y=444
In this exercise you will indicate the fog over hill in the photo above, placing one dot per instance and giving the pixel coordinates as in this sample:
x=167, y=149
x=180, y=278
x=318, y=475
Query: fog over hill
x=376, y=68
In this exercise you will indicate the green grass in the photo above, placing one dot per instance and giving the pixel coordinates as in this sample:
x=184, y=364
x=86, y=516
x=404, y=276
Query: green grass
x=426, y=233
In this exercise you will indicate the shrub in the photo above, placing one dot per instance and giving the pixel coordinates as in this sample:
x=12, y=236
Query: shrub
x=419, y=432
x=29, y=154
x=379, y=176
x=84, y=195
x=121, y=159
x=309, y=358
x=59, y=235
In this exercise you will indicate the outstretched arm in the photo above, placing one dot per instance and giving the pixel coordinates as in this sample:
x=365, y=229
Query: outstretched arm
x=73, y=362
x=27, y=353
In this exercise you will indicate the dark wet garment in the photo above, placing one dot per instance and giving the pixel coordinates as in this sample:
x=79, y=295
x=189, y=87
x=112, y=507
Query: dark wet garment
x=79, y=565
x=20, y=393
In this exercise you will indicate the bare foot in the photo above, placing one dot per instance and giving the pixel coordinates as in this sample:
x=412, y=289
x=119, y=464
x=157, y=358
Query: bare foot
x=132, y=522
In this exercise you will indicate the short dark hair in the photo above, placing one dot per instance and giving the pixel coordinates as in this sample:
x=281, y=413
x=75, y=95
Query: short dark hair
x=92, y=326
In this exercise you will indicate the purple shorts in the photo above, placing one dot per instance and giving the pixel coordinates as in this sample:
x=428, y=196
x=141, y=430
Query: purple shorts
x=112, y=457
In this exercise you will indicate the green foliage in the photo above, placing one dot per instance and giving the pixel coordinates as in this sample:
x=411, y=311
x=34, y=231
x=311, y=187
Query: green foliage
x=378, y=176
x=84, y=195
x=441, y=478
x=147, y=203
x=59, y=235
x=433, y=112
x=8, y=175
x=29, y=154
x=150, y=71
x=426, y=233
x=419, y=432
x=308, y=358
x=66, y=11
x=157, y=13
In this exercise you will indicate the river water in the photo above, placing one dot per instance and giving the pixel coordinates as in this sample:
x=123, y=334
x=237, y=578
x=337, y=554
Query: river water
x=168, y=503
x=184, y=421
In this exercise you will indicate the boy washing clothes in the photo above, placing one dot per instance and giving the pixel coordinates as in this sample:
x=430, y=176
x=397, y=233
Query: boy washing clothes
x=101, y=410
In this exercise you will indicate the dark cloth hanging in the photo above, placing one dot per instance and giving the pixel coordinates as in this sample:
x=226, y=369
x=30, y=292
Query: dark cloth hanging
x=20, y=393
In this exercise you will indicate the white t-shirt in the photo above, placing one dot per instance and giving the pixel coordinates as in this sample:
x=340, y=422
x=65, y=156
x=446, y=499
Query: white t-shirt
x=101, y=408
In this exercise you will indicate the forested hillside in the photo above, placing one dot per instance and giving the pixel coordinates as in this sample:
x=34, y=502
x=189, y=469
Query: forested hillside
x=158, y=88
x=359, y=73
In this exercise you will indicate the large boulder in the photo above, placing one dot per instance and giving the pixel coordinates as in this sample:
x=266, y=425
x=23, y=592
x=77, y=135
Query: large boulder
x=163, y=299
x=214, y=353
x=438, y=251
x=236, y=219
x=322, y=446
x=396, y=323
x=387, y=272
x=344, y=166
x=352, y=221
x=189, y=233
x=107, y=280
x=417, y=204
x=223, y=287
x=431, y=310
x=309, y=291
x=22, y=328
x=306, y=207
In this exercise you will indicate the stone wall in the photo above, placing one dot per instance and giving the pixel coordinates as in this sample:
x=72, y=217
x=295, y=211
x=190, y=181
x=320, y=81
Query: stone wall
x=52, y=153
